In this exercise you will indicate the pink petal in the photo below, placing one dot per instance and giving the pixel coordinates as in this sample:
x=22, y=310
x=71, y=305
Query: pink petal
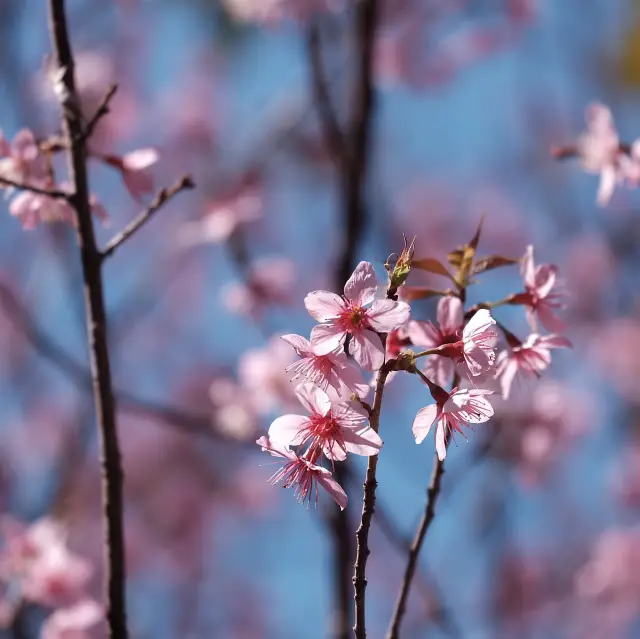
x=366, y=348
x=326, y=480
x=140, y=159
x=528, y=269
x=545, y=279
x=323, y=305
x=555, y=341
x=507, y=376
x=334, y=452
x=480, y=326
x=450, y=315
x=478, y=360
x=549, y=320
x=313, y=399
x=326, y=338
x=361, y=286
x=352, y=380
x=301, y=345
x=423, y=334
x=473, y=407
x=441, y=446
x=608, y=179
x=350, y=414
x=385, y=316
x=288, y=430
x=439, y=370
x=364, y=442
x=424, y=421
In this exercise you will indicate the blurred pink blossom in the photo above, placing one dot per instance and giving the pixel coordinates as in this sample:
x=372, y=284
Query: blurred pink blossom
x=135, y=168
x=270, y=11
x=75, y=622
x=21, y=161
x=542, y=296
x=268, y=281
x=334, y=428
x=235, y=414
x=303, y=475
x=529, y=358
x=349, y=315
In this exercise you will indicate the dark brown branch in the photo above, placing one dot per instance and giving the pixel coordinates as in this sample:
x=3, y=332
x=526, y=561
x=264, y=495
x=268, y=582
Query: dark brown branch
x=368, y=508
x=52, y=193
x=110, y=459
x=433, y=491
x=335, y=140
x=185, y=182
x=101, y=111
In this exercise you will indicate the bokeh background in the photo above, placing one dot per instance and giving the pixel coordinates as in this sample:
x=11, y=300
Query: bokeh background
x=536, y=533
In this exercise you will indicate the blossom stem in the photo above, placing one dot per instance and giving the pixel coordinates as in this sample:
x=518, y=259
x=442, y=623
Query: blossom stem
x=433, y=492
x=368, y=508
x=52, y=193
x=110, y=458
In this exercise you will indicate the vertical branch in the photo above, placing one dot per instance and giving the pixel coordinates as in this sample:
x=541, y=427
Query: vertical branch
x=112, y=497
x=350, y=150
x=368, y=508
x=433, y=492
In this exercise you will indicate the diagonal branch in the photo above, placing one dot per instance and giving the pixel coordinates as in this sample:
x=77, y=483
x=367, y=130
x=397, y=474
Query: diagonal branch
x=53, y=193
x=185, y=182
x=101, y=111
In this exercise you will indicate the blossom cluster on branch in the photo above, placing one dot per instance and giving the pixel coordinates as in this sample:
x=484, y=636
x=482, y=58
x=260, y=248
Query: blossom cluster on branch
x=460, y=361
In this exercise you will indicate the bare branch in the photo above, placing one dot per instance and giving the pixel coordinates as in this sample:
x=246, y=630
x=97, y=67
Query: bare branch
x=101, y=111
x=52, y=193
x=162, y=198
x=110, y=458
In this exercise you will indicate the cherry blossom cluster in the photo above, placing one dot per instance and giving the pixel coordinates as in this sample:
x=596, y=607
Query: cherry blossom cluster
x=27, y=165
x=37, y=567
x=458, y=360
x=601, y=152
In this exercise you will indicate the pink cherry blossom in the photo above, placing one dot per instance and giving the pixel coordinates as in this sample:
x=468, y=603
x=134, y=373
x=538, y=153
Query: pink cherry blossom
x=335, y=428
x=33, y=208
x=74, y=622
x=349, y=315
x=135, y=168
x=330, y=370
x=474, y=345
x=268, y=281
x=450, y=413
x=224, y=216
x=542, y=297
x=531, y=357
x=21, y=160
x=270, y=11
x=303, y=475
x=38, y=558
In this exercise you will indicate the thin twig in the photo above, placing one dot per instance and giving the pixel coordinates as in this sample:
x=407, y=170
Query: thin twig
x=335, y=139
x=52, y=193
x=185, y=182
x=110, y=458
x=433, y=492
x=101, y=111
x=368, y=508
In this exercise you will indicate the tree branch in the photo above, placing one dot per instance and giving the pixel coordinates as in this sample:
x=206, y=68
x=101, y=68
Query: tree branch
x=329, y=125
x=110, y=459
x=185, y=182
x=368, y=508
x=101, y=111
x=52, y=193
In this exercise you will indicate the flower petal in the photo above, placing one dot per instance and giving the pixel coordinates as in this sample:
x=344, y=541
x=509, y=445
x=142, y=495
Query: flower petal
x=326, y=480
x=424, y=421
x=385, y=316
x=450, y=315
x=325, y=338
x=361, y=286
x=441, y=445
x=362, y=442
x=301, y=345
x=313, y=399
x=366, y=348
x=287, y=430
x=423, y=334
x=323, y=305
